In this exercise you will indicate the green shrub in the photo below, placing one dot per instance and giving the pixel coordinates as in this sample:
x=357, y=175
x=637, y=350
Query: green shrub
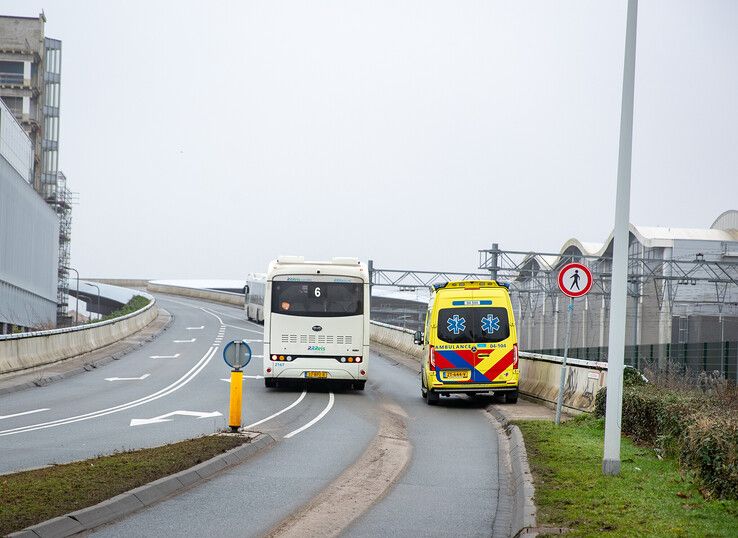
x=137, y=302
x=687, y=425
x=710, y=449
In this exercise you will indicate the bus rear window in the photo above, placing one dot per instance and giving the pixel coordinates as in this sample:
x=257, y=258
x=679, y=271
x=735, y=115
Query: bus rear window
x=317, y=299
x=473, y=325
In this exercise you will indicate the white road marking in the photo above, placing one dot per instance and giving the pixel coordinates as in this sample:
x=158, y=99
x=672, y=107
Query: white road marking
x=214, y=315
x=23, y=413
x=245, y=329
x=270, y=417
x=184, y=341
x=164, y=356
x=181, y=382
x=323, y=413
x=196, y=328
x=164, y=418
x=246, y=376
x=127, y=378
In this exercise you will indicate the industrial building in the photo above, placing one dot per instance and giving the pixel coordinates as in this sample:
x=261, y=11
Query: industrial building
x=682, y=296
x=30, y=86
x=29, y=234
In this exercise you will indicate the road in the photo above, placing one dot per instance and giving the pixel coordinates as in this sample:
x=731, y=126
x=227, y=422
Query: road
x=446, y=478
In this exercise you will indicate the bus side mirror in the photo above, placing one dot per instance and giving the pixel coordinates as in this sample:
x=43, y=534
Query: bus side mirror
x=418, y=339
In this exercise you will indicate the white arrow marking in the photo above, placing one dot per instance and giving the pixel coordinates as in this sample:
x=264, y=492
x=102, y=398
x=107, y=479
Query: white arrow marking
x=196, y=328
x=184, y=341
x=246, y=376
x=163, y=418
x=127, y=378
x=164, y=356
x=23, y=413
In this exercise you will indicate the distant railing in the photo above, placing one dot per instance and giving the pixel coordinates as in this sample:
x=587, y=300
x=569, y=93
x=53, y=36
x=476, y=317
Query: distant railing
x=697, y=356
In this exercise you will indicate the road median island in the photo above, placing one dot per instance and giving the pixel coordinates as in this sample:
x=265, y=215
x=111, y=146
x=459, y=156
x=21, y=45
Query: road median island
x=359, y=487
x=650, y=497
x=66, y=499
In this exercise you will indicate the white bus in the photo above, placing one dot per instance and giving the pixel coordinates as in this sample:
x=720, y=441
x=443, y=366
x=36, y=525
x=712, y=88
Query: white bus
x=316, y=321
x=254, y=291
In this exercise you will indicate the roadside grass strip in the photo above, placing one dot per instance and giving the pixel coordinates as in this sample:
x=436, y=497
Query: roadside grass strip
x=649, y=498
x=30, y=497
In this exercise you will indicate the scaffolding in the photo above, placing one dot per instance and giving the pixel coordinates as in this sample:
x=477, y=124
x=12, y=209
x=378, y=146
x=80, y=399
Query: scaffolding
x=61, y=200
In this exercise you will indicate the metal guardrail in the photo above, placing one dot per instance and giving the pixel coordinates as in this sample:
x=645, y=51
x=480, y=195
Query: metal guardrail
x=535, y=356
x=34, y=334
x=393, y=327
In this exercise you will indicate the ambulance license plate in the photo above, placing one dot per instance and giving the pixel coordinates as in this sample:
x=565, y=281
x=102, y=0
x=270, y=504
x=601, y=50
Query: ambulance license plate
x=455, y=375
x=317, y=375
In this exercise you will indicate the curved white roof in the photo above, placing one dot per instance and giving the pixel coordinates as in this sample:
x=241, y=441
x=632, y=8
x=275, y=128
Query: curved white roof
x=726, y=221
x=725, y=228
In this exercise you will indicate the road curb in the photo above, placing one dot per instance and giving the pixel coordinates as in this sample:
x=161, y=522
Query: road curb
x=523, y=508
x=521, y=480
x=126, y=503
x=44, y=380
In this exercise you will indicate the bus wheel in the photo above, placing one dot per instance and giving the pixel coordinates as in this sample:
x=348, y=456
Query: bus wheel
x=269, y=382
x=511, y=397
x=433, y=398
x=359, y=385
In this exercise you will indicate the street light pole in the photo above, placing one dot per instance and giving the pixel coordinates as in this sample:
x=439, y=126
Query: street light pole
x=98, y=297
x=76, y=308
x=619, y=288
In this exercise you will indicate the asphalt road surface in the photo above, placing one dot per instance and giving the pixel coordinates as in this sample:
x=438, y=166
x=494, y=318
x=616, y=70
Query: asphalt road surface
x=446, y=478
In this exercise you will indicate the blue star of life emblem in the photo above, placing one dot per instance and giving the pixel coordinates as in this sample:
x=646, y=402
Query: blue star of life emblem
x=456, y=324
x=490, y=323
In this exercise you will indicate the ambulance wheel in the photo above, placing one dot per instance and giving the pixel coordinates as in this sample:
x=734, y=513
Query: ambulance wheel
x=423, y=392
x=270, y=382
x=433, y=398
x=511, y=397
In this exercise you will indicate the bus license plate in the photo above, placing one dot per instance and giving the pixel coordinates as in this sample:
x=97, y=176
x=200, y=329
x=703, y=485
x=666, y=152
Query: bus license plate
x=318, y=375
x=455, y=375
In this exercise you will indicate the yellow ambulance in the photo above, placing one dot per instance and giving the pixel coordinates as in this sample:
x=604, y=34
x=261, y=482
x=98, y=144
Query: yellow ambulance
x=470, y=342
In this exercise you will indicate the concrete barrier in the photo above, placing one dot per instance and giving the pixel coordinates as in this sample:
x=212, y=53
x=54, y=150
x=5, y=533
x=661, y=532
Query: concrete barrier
x=539, y=374
x=134, y=283
x=29, y=350
x=396, y=338
x=234, y=299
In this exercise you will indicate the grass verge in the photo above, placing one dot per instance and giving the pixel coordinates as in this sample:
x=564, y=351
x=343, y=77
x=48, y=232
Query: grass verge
x=30, y=497
x=649, y=498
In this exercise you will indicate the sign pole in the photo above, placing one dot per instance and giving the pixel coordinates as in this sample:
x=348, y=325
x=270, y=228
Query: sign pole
x=618, y=292
x=237, y=354
x=560, y=401
x=575, y=280
x=234, y=416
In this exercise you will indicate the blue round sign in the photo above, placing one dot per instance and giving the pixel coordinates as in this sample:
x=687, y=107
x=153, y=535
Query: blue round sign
x=237, y=354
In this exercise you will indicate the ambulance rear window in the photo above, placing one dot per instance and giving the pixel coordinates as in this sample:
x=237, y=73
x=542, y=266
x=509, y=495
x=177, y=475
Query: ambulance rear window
x=472, y=325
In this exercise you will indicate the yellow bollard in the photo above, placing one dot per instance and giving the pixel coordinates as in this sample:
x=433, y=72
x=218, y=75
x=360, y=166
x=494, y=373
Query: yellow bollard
x=234, y=417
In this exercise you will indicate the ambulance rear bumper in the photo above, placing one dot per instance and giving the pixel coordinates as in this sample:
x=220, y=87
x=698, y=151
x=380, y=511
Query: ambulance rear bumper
x=477, y=390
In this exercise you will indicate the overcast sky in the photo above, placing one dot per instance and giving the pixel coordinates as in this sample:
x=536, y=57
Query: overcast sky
x=206, y=138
